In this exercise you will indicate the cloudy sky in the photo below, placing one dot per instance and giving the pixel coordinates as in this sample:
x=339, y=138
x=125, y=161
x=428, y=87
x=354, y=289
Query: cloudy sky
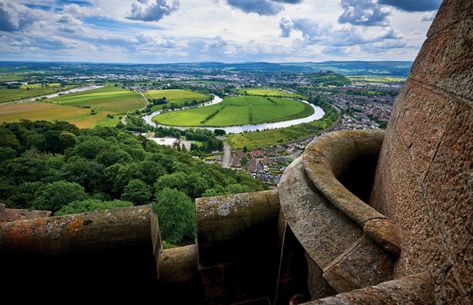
x=157, y=31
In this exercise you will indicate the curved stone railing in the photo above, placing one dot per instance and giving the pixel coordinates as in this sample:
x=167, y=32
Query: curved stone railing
x=325, y=160
x=349, y=245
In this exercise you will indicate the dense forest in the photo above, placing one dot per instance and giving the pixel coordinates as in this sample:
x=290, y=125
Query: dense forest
x=58, y=167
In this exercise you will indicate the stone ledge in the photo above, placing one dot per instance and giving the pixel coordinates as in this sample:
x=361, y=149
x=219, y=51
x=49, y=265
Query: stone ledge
x=7, y=215
x=324, y=160
x=414, y=289
x=89, y=231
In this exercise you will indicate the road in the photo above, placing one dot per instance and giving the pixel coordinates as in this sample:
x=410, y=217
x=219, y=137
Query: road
x=227, y=155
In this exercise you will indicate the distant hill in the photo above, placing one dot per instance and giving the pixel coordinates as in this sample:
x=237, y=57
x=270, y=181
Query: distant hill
x=387, y=68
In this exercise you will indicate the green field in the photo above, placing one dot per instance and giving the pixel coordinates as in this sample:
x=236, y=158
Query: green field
x=27, y=91
x=107, y=103
x=378, y=79
x=268, y=92
x=35, y=111
x=265, y=138
x=111, y=99
x=176, y=97
x=238, y=110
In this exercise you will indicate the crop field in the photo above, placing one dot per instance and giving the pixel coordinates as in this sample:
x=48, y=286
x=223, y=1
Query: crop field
x=265, y=138
x=378, y=79
x=35, y=111
x=269, y=92
x=106, y=102
x=238, y=110
x=111, y=99
x=175, y=97
x=7, y=95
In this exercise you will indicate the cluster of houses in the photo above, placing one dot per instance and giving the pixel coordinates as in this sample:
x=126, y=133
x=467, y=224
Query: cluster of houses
x=267, y=164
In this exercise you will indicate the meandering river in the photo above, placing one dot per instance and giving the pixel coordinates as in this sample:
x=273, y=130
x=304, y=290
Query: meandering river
x=317, y=115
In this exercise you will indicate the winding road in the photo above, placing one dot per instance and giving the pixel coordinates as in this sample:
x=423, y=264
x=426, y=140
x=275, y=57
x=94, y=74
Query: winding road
x=227, y=155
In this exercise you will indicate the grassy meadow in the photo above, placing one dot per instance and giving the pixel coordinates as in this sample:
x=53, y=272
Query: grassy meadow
x=378, y=79
x=238, y=110
x=36, y=111
x=265, y=138
x=31, y=90
x=268, y=92
x=107, y=103
x=111, y=99
x=175, y=97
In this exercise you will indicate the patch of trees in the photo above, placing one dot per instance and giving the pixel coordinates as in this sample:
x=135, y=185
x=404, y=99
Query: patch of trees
x=209, y=141
x=58, y=167
x=219, y=132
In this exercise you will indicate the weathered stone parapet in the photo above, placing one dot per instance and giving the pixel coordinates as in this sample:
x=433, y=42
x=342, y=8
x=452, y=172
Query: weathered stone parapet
x=328, y=160
x=7, y=215
x=78, y=232
x=415, y=289
x=346, y=255
x=226, y=225
x=178, y=265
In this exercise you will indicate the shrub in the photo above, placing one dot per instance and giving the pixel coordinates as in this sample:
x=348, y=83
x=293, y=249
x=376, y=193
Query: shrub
x=136, y=191
x=57, y=194
x=176, y=213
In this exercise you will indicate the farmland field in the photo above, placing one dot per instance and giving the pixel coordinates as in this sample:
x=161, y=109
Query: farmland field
x=50, y=112
x=238, y=110
x=269, y=92
x=378, y=79
x=265, y=138
x=175, y=97
x=111, y=99
x=7, y=95
x=107, y=103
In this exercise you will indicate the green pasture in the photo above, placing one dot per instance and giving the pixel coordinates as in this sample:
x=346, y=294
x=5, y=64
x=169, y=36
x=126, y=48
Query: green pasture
x=176, y=97
x=268, y=92
x=377, y=79
x=238, y=110
x=111, y=99
x=34, y=111
x=265, y=138
x=8, y=95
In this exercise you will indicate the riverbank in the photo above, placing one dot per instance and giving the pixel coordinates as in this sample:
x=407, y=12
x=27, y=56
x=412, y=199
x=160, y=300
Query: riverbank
x=316, y=115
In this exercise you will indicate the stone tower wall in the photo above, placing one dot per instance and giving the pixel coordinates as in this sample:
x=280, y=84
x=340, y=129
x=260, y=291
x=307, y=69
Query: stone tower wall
x=424, y=178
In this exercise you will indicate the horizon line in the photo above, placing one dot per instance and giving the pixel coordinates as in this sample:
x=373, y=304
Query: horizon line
x=197, y=62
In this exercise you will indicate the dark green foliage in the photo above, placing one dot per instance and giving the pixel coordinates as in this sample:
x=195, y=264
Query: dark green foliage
x=219, y=132
x=57, y=194
x=137, y=192
x=88, y=205
x=8, y=138
x=7, y=153
x=176, y=213
x=48, y=166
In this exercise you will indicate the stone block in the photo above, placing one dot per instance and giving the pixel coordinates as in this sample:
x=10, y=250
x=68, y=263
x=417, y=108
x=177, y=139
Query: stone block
x=363, y=264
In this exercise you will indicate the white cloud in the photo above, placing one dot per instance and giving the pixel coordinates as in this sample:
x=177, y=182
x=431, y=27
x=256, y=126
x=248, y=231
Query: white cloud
x=201, y=30
x=152, y=10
